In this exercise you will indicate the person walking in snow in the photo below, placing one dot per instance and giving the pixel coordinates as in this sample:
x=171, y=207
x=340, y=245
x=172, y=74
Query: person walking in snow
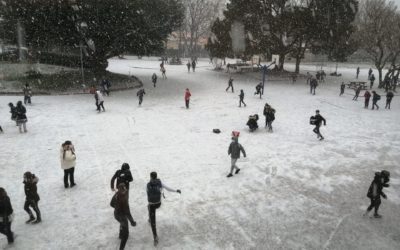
x=140, y=93
x=122, y=213
x=313, y=85
x=241, y=98
x=318, y=119
x=371, y=79
x=358, y=72
x=163, y=72
x=375, y=99
x=21, y=117
x=27, y=94
x=122, y=175
x=230, y=84
x=342, y=87
x=32, y=197
x=188, y=65
x=357, y=93
x=367, y=95
x=193, y=65
x=258, y=89
x=106, y=86
x=68, y=162
x=13, y=111
x=269, y=114
x=308, y=77
x=369, y=73
x=154, y=79
x=154, y=189
x=381, y=180
x=187, y=97
x=6, y=216
x=389, y=97
x=98, y=96
x=234, y=151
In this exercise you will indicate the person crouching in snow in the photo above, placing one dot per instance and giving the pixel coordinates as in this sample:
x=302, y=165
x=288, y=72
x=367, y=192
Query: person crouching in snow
x=252, y=122
x=99, y=100
x=187, y=97
x=380, y=181
x=32, y=197
x=140, y=93
x=68, y=162
x=122, y=213
x=234, y=150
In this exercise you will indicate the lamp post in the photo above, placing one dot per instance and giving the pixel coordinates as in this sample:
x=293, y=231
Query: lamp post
x=264, y=72
x=83, y=27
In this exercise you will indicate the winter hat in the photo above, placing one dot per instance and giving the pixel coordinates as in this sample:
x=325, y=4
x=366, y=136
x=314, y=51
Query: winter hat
x=153, y=175
x=125, y=166
x=317, y=111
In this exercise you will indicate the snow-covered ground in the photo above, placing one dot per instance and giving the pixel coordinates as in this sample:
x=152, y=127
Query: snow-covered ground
x=294, y=192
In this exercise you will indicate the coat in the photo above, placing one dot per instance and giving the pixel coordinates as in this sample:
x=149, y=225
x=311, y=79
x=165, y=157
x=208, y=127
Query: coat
x=367, y=95
x=100, y=97
x=5, y=210
x=319, y=120
x=187, y=95
x=122, y=176
x=235, y=148
x=67, y=158
x=269, y=114
x=30, y=188
x=21, y=113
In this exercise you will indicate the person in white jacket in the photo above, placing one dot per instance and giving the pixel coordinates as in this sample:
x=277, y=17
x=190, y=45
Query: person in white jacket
x=68, y=159
x=98, y=96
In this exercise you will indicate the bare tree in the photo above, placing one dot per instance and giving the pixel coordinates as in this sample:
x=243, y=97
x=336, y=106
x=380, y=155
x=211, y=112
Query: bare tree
x=200, y=14
x=378, y=32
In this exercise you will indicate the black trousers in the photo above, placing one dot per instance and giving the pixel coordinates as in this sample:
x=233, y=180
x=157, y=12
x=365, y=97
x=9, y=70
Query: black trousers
x=375, y=203
x=269, y=125
x=187, y=103
x=69, y=173
x=240, y=103
x=230, y=86
x=140, y=100
x=388, y=101
x=366, y=103
x=35, y=206
x=5, y=228
x=27, y=99
x=152, y=217
x=341, y=92
x=100, y=104
x=316, y=130
x=374, y=104
x=123, y=230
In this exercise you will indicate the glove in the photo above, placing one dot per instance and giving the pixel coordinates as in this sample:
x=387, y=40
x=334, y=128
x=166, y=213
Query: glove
x=133, y=223
x=178, y=191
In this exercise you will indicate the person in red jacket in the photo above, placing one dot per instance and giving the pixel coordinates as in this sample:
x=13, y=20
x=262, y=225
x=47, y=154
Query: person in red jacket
x=187, y=97
x=367, y=95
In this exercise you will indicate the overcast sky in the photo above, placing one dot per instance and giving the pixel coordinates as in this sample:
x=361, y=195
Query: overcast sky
x=397, y=3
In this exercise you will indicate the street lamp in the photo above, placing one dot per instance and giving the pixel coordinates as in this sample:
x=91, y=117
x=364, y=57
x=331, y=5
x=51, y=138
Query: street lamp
x=83, y=26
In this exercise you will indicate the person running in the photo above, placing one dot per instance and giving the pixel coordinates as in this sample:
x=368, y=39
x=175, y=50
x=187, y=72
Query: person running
x=367, y=95
x=381, y=180
x=21, y=117
x=6, y=216
x=32, y=197
x=188, y=65
x=122, y=213
x=187, y=97
x=371, y=79
x=234, y=151
x=358, y=72
x=342, y=87
x=375, y=99
x=99, y=101
x=154, y=79
x=241, y=98
x=269, y=114
x=193, y=65
x=68, y=162
x=258, y=89
x=27, y=94
x=318, y=122
x=357, y=93
x=140, y=93
x=230, y=84
x=154, y=189
x=122, y=175
x=389, y=97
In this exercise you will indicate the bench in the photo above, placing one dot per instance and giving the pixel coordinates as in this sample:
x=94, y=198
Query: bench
x=356, y=85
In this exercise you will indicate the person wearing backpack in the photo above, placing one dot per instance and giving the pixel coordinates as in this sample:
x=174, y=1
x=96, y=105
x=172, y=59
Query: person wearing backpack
x=269, y=114
x=234, y=151
x=154, y=190
x=122, y=175
x=6, y=216
x=381, y=180
x=32, y=197
x=122, y=213
x=318, y=119
x=389, y=97
x=375, y=99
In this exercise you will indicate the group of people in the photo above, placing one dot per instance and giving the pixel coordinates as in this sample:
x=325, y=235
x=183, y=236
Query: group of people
x=18, y=114
x=191, y=64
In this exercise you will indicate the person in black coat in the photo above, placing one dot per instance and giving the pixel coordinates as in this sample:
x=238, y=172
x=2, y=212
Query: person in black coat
x=381, y=180
x=357, y=93
x=193, y=65
x=389, y=97
x=154, y=79
x=241, y=98
x=318, y=122
x=258, y=89
x=342, y=86
x=252, y=122
x=371, y=79
x=230, y=84
x=21, y=116
x=375, y=99
x=6, y=216
x=13, y=111
x=269, y=114
x=154, y=189
x=140, y=93
x=32, y=197
x=122, y=175
x=122, y=213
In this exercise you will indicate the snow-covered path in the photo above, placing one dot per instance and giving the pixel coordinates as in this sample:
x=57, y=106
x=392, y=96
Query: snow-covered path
x=294, y=192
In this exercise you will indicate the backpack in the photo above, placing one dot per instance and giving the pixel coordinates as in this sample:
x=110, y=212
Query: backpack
x=313, y=120
x=154, y=191
x=378, y=97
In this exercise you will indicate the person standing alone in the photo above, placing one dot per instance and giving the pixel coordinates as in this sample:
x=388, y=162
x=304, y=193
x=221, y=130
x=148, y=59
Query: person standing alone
x=187, y=97
x=241, y=98
x=140, y=94
x=32, y=197
x=21, y=117
x=318, y=119
x=68, y=162
x=367, y=95
x=234, y=151
x=389, y=97
x=342, y=86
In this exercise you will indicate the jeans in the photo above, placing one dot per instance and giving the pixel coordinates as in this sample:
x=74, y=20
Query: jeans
x=152, y=217
x=233, y=164
x=69, y=173
x=375, y=203
x=5, y=228
x=27, y=99
x=35, y=206
x=123, y=230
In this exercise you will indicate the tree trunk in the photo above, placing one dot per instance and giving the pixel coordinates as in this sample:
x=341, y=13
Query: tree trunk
x=380, y=76
x=298, y=60
x=281, y=61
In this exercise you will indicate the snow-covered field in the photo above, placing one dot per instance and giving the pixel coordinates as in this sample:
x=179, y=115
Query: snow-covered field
x=294, y=192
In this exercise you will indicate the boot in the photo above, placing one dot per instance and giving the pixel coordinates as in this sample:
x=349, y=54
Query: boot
x=237, y=171
x=155, y=241
x=31, y=218
x=38, y=220
x=229, y=175
x=378, y=216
